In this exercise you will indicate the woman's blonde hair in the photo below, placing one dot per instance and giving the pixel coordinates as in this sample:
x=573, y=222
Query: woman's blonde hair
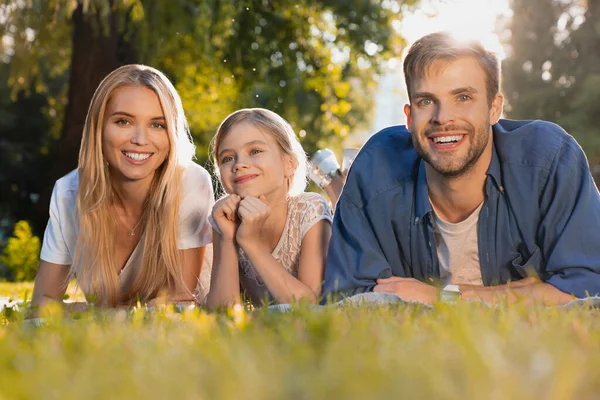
x=268, y=122
x=94, y=266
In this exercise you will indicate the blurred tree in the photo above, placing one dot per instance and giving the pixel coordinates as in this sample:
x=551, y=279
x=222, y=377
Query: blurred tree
x=314, y=62
x=21, y=255
x=553, y=69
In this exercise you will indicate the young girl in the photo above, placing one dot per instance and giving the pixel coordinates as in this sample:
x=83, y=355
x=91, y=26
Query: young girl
x=270, y=238
x=132, y=220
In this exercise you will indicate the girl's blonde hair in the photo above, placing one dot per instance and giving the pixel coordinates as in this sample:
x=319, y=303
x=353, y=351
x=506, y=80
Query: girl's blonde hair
x=94, y=266
x=268, y=122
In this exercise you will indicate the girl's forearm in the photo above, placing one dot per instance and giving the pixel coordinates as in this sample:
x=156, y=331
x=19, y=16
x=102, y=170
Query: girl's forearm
x=283, y=286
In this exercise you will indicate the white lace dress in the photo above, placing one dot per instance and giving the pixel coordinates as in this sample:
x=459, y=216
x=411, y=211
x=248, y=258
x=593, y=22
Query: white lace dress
x=304, y=211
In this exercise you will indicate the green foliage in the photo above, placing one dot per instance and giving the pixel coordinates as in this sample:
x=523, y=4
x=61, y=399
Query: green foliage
x=465, y=351
x=553, y=71
x=306, y=60
x=21, y=254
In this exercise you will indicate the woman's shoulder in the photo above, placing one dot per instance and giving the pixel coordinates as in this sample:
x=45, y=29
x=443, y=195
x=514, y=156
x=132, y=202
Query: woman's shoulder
x=68, y=185
x=195, y=180
x=193, y=173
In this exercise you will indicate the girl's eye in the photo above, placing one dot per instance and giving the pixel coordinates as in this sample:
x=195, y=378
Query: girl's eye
x=226, y=159
x=157, y=125
x=255, y=151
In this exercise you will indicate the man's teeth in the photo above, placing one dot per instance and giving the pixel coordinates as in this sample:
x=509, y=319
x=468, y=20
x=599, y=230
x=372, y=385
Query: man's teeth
x=447, y=139
x=137, y=156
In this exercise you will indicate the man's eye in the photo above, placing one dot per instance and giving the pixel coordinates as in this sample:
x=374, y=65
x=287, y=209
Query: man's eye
x=425, y=102
x=464, y=97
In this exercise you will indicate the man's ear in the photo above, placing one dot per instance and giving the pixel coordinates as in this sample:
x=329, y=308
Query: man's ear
x=496, y=108
x=408, y=115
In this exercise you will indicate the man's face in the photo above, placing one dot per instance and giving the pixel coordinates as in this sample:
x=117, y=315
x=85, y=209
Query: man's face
x=449, y=116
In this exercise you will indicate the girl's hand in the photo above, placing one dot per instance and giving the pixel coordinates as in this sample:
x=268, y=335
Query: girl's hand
x=225, y=214
x=253, y=212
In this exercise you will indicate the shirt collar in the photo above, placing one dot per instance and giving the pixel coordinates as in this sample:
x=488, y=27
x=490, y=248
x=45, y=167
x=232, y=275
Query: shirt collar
x=494, y=170
x=422, y=204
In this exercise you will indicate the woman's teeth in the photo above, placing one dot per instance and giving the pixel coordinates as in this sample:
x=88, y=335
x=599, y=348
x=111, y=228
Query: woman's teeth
x=137, y=156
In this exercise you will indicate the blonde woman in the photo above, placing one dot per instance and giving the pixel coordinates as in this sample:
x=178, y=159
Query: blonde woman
x=270, y=237
x=130, y=223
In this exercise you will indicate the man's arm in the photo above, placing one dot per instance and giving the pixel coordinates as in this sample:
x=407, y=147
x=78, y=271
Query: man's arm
x=355, y=258
x=528, y=290
x=569, y=232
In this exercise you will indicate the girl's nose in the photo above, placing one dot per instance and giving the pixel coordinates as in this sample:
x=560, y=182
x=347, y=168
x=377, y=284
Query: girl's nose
x=240, y=164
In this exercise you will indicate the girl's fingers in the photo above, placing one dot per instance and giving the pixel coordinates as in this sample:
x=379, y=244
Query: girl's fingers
x=229, y=213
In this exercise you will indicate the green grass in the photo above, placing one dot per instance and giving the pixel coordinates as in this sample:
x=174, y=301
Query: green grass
x=24, y=290
x=465, y=351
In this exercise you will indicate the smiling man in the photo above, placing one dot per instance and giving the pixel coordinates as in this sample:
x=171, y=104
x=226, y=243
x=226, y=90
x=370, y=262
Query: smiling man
x=463, y=203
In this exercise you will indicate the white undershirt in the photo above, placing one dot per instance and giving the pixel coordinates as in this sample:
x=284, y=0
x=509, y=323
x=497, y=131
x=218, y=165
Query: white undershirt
x=457, y=249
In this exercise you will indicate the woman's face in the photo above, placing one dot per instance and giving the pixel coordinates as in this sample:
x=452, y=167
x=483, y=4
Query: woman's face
x=135, y=141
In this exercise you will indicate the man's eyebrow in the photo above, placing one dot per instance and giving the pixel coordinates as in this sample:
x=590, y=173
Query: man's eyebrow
x=464, y=90
x=421, y=95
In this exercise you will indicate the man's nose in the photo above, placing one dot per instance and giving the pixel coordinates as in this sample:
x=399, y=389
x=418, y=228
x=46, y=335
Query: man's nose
x=444, y=113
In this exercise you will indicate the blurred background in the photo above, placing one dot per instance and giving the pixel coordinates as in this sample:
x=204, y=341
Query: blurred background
x=332, y=68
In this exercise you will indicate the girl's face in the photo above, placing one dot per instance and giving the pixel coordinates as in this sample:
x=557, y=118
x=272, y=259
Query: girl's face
x=251, y=163
x=135, y=141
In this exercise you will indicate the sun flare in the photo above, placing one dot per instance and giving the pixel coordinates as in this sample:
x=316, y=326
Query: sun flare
x=465, y=19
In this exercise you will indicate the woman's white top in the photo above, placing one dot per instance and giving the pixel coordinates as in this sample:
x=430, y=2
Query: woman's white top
x=194, y=230
x=304, y=211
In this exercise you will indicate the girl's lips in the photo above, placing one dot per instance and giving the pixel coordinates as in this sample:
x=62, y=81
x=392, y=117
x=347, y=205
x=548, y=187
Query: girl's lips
x=244, y=178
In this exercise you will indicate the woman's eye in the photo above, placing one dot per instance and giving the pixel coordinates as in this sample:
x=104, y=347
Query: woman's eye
x=122, y=121
x=157, y=125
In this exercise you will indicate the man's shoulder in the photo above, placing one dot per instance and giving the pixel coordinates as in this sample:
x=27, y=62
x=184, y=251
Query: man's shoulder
x=532, y=143
x=386, y=160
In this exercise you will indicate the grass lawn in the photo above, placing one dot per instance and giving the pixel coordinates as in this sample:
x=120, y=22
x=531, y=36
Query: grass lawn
x=462, y=351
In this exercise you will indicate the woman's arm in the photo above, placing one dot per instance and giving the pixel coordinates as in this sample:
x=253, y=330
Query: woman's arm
x=282, y=285
x=191, y=267
x=50, y=284
x=225, y=277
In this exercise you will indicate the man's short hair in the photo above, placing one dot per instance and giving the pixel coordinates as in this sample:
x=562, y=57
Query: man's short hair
x=444, y=46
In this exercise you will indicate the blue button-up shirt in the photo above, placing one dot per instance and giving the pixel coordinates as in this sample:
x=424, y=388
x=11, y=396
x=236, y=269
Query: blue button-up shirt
x=541, y=214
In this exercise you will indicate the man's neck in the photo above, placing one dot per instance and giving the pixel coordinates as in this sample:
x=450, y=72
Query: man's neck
x=455, y=198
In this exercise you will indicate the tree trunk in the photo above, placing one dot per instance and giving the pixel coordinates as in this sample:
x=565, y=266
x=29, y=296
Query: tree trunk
x=93, y=57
